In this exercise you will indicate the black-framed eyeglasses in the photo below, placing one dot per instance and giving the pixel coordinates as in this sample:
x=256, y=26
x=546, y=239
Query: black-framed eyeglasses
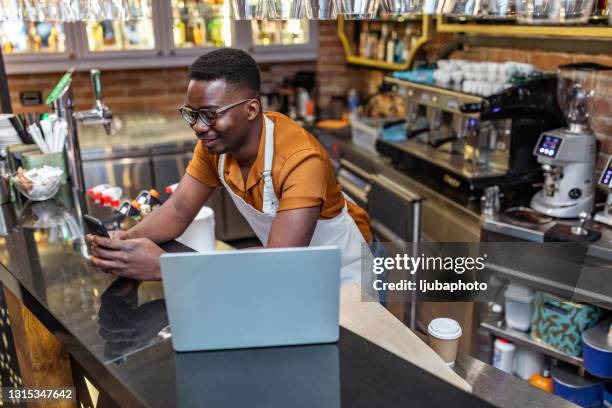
x=207, y=116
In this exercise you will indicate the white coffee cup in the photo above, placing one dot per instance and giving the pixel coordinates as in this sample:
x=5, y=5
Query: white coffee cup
x=200, y=234
x=444, y=334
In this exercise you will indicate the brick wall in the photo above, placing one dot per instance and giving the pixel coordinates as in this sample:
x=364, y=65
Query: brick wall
x=160, y=89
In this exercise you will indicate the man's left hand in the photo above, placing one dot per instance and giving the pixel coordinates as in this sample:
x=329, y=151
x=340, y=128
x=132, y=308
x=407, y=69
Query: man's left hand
x=130, y=258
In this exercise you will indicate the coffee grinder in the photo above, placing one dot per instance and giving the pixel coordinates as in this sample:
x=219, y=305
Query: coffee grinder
x=605, y=216
x=567, y=155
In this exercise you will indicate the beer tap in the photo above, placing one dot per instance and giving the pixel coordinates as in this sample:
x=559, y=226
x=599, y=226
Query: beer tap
x=100, y=113
x=62, y=103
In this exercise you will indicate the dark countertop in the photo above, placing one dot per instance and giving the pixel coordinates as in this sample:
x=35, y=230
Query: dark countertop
x=117, y=331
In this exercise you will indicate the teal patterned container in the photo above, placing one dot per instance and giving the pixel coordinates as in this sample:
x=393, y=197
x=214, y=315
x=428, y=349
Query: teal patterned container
x=33, y=160
x=560, y=323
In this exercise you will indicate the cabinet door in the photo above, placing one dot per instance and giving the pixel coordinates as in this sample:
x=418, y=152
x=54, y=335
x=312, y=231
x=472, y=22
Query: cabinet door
x=115, y=37
x=36, y=46
x=197, y=25
x=273, y=41
x=131, y=174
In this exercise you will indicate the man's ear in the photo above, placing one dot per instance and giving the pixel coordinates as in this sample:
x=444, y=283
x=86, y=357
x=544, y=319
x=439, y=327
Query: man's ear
x=253, y=109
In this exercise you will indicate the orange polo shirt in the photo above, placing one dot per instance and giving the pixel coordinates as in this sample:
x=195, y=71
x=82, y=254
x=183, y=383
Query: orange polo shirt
x=302, y=174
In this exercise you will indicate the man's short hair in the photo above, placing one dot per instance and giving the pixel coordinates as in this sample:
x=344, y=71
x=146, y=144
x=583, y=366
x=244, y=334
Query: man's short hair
x=234, y=66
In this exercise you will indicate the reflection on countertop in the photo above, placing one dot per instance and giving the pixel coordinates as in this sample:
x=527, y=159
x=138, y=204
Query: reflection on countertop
x=128, y=325
x=116, y=329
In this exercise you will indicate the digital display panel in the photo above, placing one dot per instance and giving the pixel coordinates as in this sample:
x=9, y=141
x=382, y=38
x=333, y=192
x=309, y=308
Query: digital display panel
x=549, y=145
x=606, y=175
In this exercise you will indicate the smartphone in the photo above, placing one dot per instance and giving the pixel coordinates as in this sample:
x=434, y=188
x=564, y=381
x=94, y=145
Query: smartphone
x=95, y=226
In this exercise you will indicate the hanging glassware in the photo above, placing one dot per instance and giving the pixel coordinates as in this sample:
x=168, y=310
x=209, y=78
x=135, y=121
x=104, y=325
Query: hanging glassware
x=242, y=9
x=553, y=11
x=28, y=11
x=495, y=9
x=358, y=9
x=298, y=9
x=72, y=10
x=10, y=10
x=52, y=10
x=137, y=9
x=267, y=10
x=324, y=9
x=401, y=7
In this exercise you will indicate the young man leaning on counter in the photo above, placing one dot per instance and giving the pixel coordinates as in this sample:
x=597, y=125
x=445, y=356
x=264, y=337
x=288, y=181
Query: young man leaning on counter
x=278, y=175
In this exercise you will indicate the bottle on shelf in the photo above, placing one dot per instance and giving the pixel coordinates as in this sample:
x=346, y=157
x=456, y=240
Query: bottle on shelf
x=363, y=40
x=398, y=52
x=154, y=198
x=127, y=212
x=382, y=43
x=503, y=355
x=178, y=32
x=353, y=100
x=198, y=30
x=135, y=211
x=542, y=380
x=407, y=43
x=372, y=45
x=390, y=48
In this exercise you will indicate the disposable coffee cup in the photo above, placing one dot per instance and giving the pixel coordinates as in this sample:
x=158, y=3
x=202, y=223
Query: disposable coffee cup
x=444, y=336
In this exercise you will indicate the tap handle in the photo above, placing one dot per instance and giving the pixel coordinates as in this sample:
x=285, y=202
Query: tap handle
x=96, y=84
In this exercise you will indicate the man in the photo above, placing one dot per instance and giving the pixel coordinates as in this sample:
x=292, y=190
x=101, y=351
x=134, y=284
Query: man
x=277, y=174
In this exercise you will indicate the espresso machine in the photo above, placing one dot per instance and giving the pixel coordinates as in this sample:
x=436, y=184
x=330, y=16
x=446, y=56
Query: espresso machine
x=567, y=155
x=474, y=142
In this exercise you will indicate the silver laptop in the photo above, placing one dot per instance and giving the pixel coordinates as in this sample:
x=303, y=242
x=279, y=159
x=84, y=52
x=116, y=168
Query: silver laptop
x=252, y=298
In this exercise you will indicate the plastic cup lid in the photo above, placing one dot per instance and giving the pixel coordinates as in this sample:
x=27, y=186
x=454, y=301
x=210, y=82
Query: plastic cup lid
x=444, y=329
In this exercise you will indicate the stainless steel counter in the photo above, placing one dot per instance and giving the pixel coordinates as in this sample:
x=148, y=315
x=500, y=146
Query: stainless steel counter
x=602, y=248
x=502, y=389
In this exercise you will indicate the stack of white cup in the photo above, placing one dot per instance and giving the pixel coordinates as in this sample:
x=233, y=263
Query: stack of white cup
x=482, y=78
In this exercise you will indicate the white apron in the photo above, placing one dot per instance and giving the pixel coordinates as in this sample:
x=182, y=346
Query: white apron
x=340, y=231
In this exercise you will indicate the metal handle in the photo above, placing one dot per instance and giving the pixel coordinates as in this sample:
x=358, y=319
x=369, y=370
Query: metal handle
x=96, y=84
x=584, y=217
x=580, y=230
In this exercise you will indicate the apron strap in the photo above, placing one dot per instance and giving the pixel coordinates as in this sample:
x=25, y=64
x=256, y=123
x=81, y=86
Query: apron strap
x=220, y=169
x=270, y=201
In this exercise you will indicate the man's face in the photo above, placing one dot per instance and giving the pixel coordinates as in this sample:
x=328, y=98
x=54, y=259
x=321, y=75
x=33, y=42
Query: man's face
x=232, y=126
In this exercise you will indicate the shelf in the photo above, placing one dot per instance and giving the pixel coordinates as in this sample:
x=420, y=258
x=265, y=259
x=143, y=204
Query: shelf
x=524, y=339
x=509, y=28
x=352, y=58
